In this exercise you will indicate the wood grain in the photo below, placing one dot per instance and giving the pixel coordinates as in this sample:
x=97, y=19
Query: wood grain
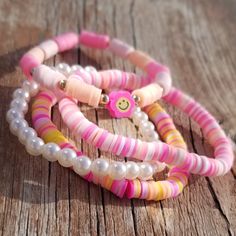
x=197, y=40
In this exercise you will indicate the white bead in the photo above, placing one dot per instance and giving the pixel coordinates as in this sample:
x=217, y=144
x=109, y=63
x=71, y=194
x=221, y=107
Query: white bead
x=158, y=166
x=90, y=68
x=117, y=170
x=132, y=170
x=17, y=125
x=34, y=146
x=20, y=105
x=139, y=117
x=100, y=167
x=144, y=116
x=63, y=68
x=22, y=94
x=137, y=109
x=146, y=127
x=66, y=157
x=13, y=114
x=151, y=136
x=25, y=134
x=82, y=165
x=75, y=68
x=50, y=151
x=146, y=171
x=31, y=86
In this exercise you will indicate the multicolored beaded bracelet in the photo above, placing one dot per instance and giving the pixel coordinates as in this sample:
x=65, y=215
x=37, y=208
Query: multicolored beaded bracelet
x=41, y=110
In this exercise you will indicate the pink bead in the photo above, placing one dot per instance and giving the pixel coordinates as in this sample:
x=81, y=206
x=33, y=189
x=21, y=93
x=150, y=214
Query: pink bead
x=47, y=77
x=67, y=41
x=130, y=189
x=83, y=92
x=148, y=94
x=50, y=48
x=161, y=74
x=27, y=63
x=120, y=48
x=93, y=40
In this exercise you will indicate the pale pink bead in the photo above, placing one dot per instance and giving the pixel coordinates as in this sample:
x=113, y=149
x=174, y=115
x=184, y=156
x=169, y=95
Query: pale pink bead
x=148, y=94
x=164, y=80
x=37, y=53
x=83, y=92
x=120, y=48
x=161, y=75
x=50, y=48
x=94, y=40
x=67, y=41
x=47, y=77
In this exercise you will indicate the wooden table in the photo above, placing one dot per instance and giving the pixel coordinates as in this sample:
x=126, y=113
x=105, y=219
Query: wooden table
x=197, y=40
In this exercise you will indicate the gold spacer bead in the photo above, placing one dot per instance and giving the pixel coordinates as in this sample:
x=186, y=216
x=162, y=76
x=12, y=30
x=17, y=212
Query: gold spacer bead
x=62, y=84
x=104, y=99
x=136, y=98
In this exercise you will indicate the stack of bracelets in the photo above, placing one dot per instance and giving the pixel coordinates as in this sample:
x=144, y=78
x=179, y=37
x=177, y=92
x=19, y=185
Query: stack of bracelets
x=130, y=96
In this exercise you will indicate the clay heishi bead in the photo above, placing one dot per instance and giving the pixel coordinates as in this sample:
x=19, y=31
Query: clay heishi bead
x=120, y=48
x=50, y=48
x=93, y=40
x=83, y=92
x=139, y=59
x=47, y=77
x=67, y=41
x=149, y=94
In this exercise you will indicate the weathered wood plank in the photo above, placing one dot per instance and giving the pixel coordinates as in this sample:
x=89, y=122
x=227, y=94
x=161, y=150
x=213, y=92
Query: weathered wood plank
x=196, y=39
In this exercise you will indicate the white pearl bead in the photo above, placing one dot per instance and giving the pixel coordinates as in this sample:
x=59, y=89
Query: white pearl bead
x=66, y=157
x=90, y=68
x=151, y=136
x=31, y=86
x=132, y=170
x=13, y=114
x=22, y=94
x=34, y=146
x=63, y=68
x=137, y=109
x=17, y=125
x=158, y=166
x=82, y=165
x=146, y=126
x=117, y=170
x=139, y=117
x=25, y=134
x=75, y=68
x=50, y=151
x=100, y=167
x=20, y=105
x=146, y=171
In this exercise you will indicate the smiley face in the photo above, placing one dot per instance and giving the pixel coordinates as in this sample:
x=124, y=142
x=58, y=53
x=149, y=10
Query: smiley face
x=123, y=104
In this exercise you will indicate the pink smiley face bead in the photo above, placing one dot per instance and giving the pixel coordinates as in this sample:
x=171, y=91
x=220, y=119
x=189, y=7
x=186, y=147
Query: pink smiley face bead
x=121, y=104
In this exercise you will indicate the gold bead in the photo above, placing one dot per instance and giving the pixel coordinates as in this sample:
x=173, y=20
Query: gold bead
x=136, y=98
x=104, y=99
x=62, y=84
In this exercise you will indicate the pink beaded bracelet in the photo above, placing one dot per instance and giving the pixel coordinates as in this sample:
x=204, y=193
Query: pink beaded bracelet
x=157, y=74
x=158, y=151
